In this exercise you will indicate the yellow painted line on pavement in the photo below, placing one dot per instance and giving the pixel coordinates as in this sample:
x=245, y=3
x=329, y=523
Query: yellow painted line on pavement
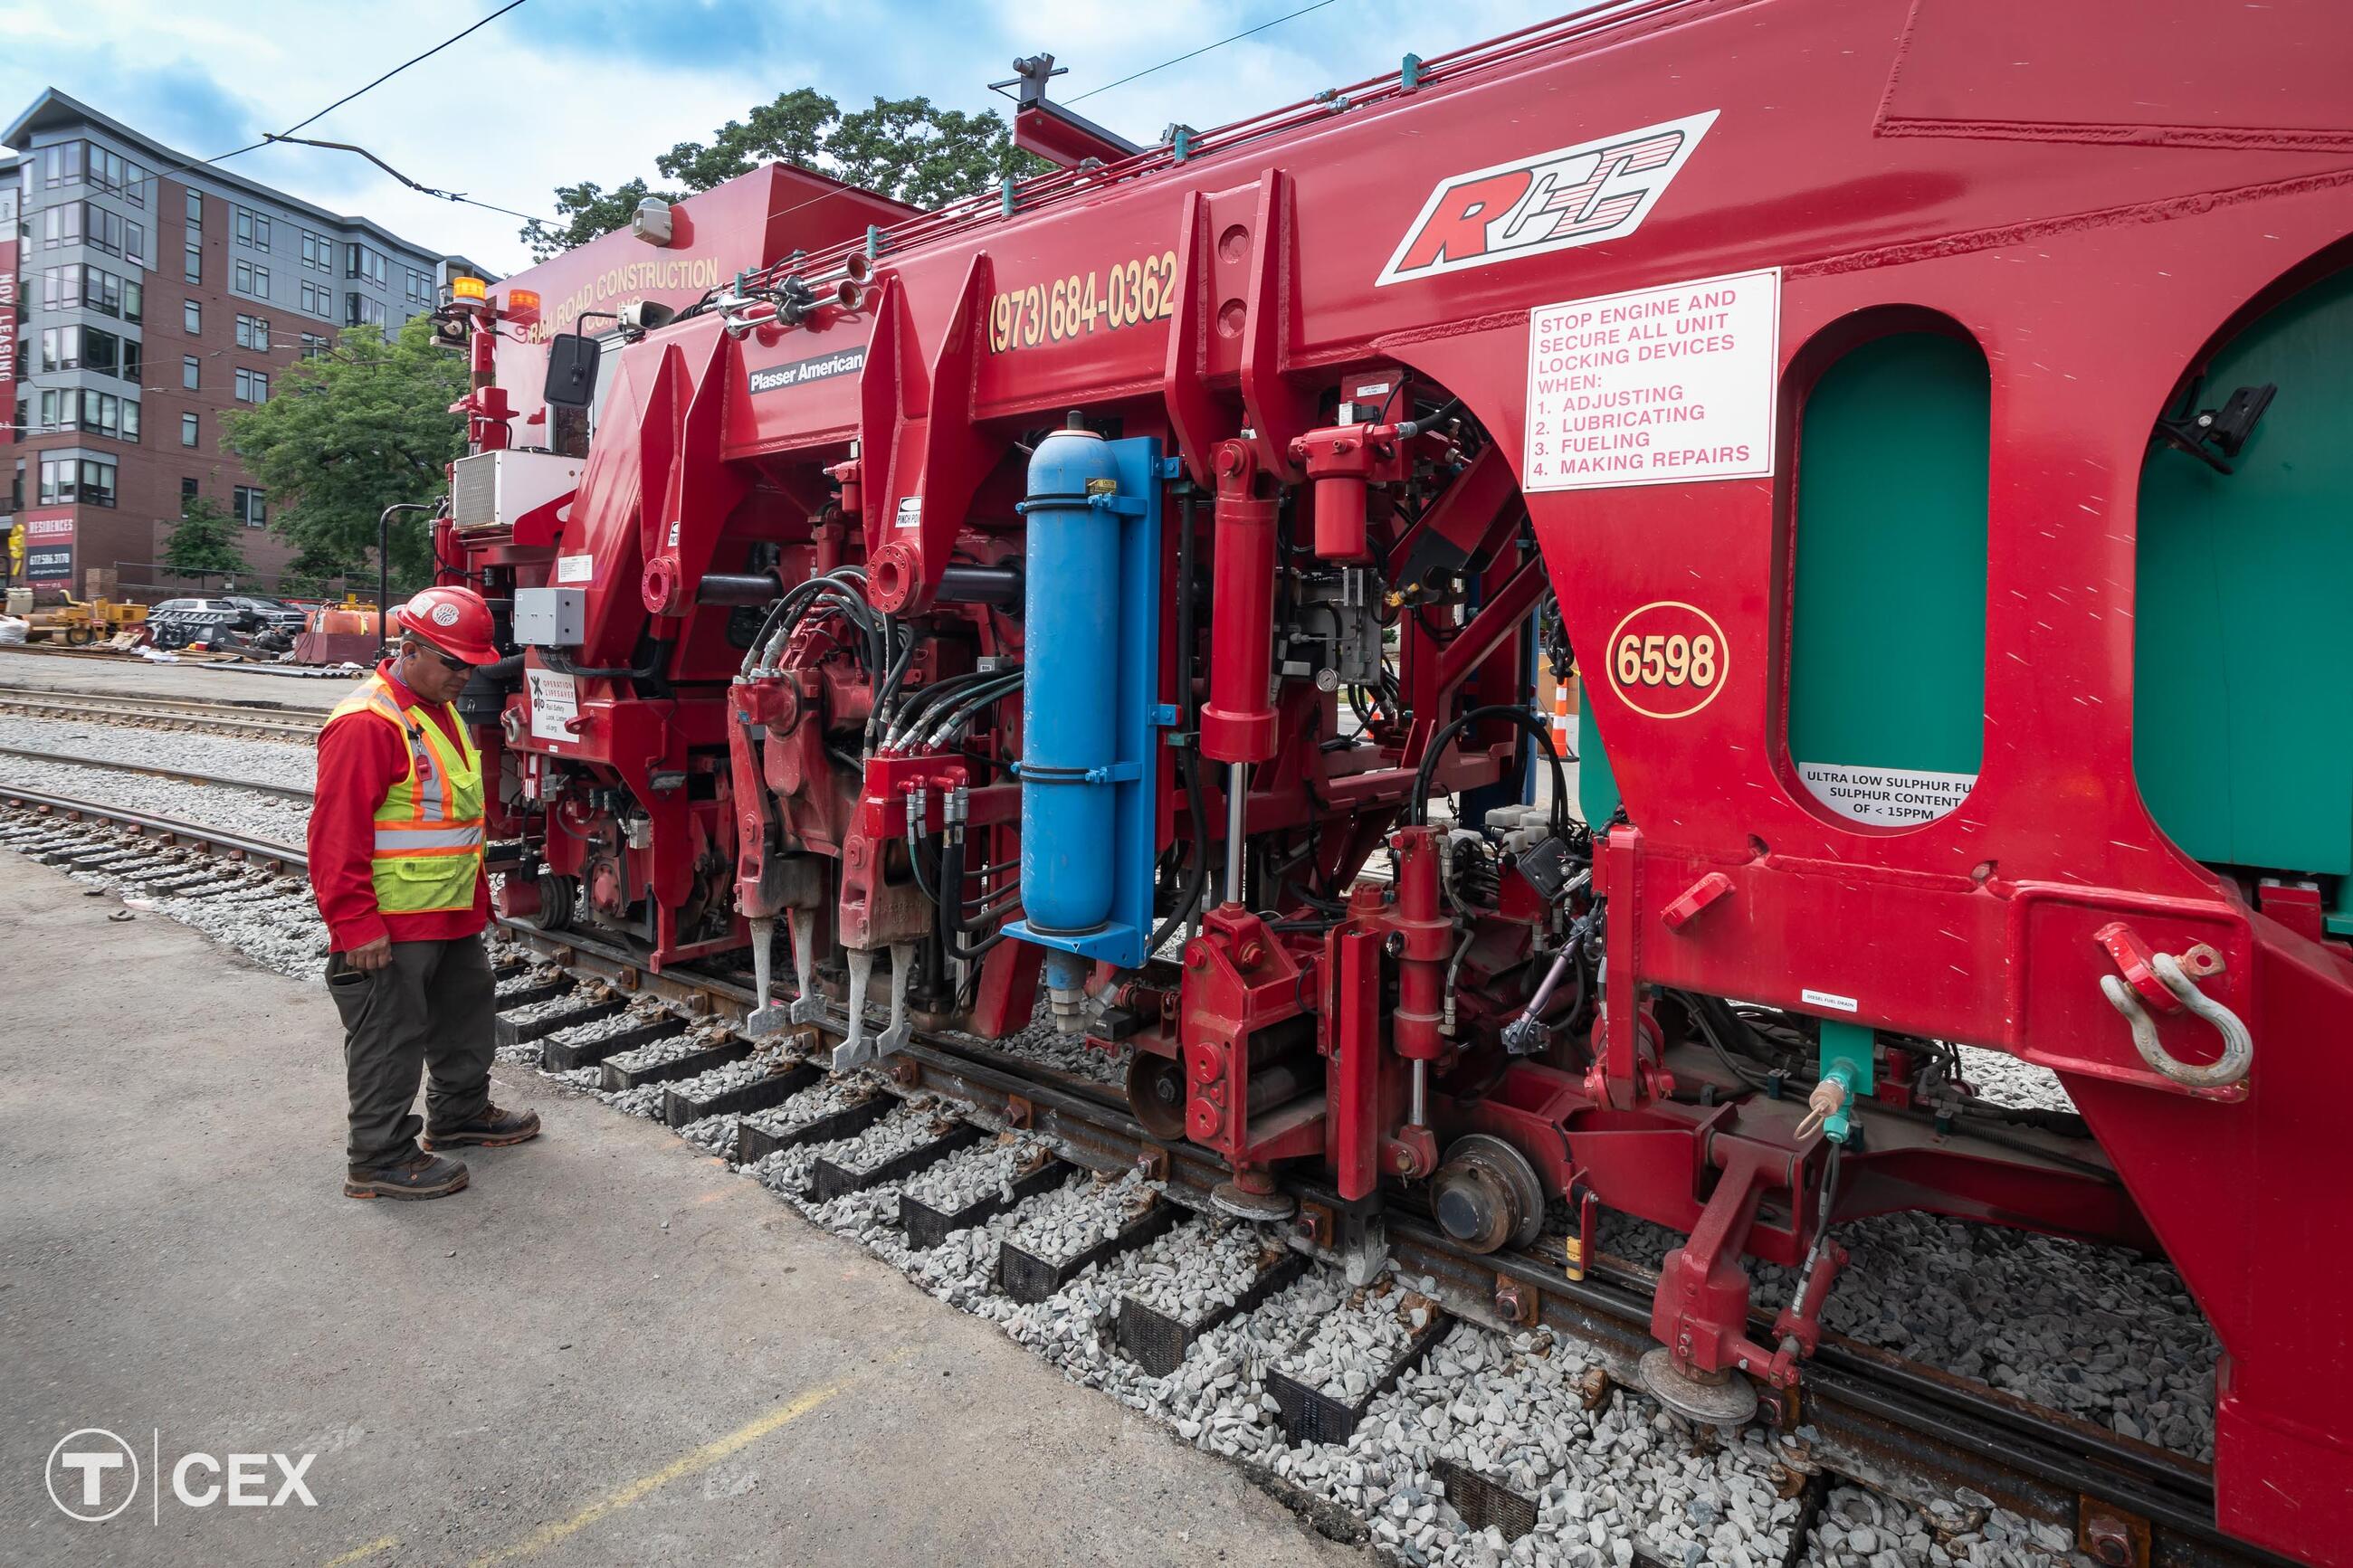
x=361, y=1553
x=687, y=1464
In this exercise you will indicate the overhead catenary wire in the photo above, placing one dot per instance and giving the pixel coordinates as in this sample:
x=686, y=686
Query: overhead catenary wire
x=403, y=65
x=1205, y=48
x=267, y=137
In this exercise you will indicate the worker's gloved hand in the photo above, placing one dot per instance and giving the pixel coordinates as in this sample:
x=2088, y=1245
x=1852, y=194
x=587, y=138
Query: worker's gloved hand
x=370, y=955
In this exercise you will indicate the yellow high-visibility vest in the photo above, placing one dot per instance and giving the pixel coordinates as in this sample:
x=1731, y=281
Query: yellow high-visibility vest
x=429, y=827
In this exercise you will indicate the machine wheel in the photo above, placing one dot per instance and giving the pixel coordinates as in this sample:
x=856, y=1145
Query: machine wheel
x=1155, y=1093
x=1485, y=1194
x=559, y=901
x=1713, y=1399
x=80, y=637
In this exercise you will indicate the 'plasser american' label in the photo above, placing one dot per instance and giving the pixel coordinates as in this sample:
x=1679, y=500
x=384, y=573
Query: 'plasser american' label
x=801, y=372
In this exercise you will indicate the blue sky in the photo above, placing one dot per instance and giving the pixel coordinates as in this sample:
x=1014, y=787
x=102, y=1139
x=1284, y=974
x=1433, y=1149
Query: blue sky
x=562, y=91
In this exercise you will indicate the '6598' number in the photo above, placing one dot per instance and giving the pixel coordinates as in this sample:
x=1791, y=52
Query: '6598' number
x=1667, y=659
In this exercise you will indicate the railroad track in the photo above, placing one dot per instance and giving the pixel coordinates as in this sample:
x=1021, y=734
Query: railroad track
x=260, y=720
x=1895, y=1427
x=154, y=771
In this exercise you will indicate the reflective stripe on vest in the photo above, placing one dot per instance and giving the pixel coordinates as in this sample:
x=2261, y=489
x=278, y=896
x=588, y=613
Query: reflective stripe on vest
x=428, y=826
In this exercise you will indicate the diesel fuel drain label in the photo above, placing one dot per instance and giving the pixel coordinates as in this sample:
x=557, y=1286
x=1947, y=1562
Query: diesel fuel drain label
x=801, y=372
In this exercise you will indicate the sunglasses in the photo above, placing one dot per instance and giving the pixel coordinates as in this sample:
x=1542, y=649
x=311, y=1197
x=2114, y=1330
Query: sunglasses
x=454, y=666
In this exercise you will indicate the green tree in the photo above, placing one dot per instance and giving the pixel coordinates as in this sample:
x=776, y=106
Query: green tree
x=314, y=571
x=204, y=543
x=907, y=148
x=350, y=432
x=921, y=154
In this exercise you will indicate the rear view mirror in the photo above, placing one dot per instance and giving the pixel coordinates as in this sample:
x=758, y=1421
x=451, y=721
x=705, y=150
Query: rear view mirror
x=571, y=371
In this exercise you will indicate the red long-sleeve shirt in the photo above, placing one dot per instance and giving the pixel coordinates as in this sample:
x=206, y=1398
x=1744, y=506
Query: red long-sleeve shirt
x=360, y=757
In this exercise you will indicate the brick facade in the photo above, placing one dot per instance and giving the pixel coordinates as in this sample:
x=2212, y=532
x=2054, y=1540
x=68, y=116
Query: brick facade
x=277, y=234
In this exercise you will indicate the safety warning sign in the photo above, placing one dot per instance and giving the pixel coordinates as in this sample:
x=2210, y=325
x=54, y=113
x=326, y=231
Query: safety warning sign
x=1657, y=386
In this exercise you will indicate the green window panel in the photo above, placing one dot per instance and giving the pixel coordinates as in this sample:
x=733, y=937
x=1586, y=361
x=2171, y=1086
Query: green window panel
x=1888, y=641
x=2242, y=721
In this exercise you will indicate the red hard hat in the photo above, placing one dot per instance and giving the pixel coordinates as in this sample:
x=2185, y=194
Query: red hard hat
x=453, y=620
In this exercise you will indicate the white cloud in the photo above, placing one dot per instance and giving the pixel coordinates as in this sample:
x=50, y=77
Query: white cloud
x=562, y=91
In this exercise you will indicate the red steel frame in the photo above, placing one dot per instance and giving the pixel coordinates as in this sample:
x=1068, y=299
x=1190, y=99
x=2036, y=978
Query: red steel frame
x=1881, y=155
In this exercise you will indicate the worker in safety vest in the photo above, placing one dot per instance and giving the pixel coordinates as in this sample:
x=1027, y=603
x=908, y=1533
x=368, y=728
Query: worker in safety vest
x=397, y=865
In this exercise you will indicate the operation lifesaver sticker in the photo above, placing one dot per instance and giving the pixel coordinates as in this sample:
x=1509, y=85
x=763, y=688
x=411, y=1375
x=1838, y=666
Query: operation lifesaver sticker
x=1667, y=659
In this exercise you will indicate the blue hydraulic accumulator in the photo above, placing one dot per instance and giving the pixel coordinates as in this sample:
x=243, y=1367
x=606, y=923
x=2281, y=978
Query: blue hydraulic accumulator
x=1089, y=714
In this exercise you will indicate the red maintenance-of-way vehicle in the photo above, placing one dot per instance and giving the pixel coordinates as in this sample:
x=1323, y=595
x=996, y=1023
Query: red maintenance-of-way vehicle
x=1929, y=420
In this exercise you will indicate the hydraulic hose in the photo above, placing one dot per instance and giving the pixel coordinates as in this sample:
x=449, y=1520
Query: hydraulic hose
x=1418, y=804
x=1189, y=760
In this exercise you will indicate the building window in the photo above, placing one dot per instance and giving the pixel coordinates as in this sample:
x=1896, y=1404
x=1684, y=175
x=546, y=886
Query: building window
x=192, y=264
x=195, y=209
x=188, y=432
x=68, y=482
x=252, y=506
x=252, y=227
x=317, y=252
x=16, y=488
x=60, y=164
x=61, y=225
x=135, y=360
x=192, y=316
x=191, y=369
x=187, y=490
x=252, y=281
x=319, y=300
x=94, y=413
x=252, y=386
x=313, y=346
x=71, y=222
x=60, y=348
x=78, y=287
x=113, y=172
x=360, y=311
x=253, y=332
x=420, y=287
x=365, y=262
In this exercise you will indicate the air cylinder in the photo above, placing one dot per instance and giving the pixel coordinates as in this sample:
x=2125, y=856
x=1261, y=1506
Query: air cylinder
x=1070, y=699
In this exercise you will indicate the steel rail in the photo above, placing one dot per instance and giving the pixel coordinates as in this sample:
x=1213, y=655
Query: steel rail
x=272, y=720
x=167, y=830
x=1875, y=1417
x=1870, y=1417
x=150, y=769
x=1865, y=1415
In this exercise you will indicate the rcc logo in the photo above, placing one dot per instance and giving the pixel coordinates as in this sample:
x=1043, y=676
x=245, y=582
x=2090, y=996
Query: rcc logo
x=93, y=1475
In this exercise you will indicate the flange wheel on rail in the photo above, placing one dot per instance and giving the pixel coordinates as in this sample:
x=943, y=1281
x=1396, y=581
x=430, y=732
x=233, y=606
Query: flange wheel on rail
x=1485, y=1194
x=1155, y=1093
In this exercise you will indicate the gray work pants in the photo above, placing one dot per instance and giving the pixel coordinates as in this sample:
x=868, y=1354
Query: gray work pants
x=432, y=1008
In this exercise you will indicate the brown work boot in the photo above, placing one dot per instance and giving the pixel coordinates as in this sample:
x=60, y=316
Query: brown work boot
x=491, y=1130
x=418, y=1176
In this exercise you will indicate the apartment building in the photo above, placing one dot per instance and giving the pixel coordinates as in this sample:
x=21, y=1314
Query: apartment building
x=150, y=298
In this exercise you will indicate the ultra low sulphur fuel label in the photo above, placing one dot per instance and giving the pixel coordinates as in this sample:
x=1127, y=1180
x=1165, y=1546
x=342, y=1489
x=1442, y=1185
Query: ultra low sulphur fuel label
x=1658, y=386
x=1886, y=797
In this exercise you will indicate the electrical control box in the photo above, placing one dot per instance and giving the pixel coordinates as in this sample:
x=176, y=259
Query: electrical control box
x=499, y=490
x=551, y=618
